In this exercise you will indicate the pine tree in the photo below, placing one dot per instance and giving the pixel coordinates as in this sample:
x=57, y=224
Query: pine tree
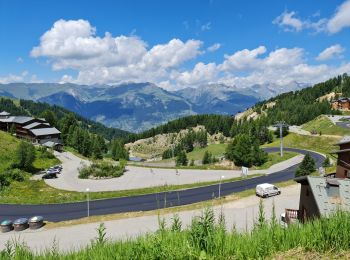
x=181, y=159
x=326, y=163
x=118, y=151
x=207, y=158
x=25, y=154
x=306, y=167
x=50, y=117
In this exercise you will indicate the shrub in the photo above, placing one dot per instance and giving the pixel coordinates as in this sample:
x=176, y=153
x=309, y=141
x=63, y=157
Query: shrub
x=306, y=167
x=102, y=170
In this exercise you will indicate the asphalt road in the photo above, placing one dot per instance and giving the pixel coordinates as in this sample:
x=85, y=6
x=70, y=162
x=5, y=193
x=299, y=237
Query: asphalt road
x=68, y=211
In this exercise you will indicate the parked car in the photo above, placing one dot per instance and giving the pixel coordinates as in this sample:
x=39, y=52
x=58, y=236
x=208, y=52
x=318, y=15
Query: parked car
x=49, y=175
x=53, y=171
x=266, y=190
x=59, y=167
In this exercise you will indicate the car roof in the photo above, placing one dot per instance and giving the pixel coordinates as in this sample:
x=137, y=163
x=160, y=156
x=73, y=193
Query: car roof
x=265, y=185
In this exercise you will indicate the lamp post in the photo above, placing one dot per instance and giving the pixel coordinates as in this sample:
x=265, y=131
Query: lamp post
x=221, y=177
x=281, y=124
x=88, y=202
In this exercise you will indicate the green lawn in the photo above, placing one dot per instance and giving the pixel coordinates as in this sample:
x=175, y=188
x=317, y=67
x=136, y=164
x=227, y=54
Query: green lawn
x=321, y=144
x=275, y=158
x=44, y=163
x=215, y=149
x=8, y=145
x=325, y=126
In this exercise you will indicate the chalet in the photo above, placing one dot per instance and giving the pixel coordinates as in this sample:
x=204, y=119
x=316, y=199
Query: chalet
x=341, y=104
x=321, y=196
x=36, y=130
x=343, y=160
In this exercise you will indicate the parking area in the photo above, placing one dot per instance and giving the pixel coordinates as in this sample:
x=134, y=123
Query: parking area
x=142, y=177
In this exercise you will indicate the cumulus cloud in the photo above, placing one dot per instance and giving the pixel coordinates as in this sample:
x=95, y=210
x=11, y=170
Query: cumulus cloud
x=214, y=47
x=109, y=59
x=288, y=22
x=340, y=19
x=74, y=44
x=331, y=52
x=243, y=60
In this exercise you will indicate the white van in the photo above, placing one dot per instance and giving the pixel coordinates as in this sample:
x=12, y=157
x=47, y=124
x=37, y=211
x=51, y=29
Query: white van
x=266, y=190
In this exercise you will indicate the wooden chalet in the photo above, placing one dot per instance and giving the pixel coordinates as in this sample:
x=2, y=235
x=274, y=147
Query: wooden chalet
x=36, y=130
x=341, y=104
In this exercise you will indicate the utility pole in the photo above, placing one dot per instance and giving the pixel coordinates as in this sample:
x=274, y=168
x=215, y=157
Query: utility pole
x=281, y=124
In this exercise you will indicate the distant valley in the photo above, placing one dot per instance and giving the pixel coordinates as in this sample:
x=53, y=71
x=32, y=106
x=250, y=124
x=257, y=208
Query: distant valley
x=140, y=106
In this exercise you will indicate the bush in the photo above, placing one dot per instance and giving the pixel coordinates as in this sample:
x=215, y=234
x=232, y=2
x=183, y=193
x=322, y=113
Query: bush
x=102, y=170
x=25, y=154
x=306, y=167
x=245, y=151
x=181, y=159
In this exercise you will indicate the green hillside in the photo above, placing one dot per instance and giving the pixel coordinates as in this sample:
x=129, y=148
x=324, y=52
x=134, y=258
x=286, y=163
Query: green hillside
x=323, y=125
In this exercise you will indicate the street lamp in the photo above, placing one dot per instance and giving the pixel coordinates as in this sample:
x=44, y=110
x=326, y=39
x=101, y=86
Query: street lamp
x=221, y=177
x=88, y=202
x=280, y=125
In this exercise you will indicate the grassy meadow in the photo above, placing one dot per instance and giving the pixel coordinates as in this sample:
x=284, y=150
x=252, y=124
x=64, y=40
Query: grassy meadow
x=325, y=126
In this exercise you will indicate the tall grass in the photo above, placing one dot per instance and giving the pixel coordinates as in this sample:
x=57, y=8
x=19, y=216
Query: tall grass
x=207, y=238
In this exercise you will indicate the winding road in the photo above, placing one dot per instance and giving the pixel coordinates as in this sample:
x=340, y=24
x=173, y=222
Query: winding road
x=68, y=211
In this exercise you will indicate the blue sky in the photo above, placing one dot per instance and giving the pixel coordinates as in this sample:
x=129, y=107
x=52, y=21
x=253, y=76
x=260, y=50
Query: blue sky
x=174, y=43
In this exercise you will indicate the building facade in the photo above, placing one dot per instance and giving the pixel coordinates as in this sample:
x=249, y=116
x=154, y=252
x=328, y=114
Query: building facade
x=341, y=104
x=36, y=130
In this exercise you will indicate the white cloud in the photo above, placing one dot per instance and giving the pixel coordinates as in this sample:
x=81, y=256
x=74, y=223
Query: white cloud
x=109, y=59
x=201, y=74
x=206, y=27
x=288, y=21
x=214, y=47
x=341, y=19
x=331, y=52
x=243, y=60
x=14, y=78
x=74, y=45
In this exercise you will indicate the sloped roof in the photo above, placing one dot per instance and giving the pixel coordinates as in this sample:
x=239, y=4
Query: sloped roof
x=330, y=194
x=344, y=140
x=21, y=119
x=45, y=131
x=32, y=125
x=4, y=113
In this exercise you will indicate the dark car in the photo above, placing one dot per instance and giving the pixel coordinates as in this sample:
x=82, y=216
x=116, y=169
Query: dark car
x=49, y=175
x=57, y=167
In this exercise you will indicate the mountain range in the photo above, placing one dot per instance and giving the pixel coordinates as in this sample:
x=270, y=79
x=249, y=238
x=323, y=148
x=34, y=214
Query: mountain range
x=139, y=106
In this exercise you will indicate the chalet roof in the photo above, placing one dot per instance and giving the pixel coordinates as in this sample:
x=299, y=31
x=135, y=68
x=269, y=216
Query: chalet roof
x=35, y=124
x=21, y=119
x=45, y=131
x=330, y=194
x=342, y=99
x=344, y=140
x=4, y=113
x=341, y=151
